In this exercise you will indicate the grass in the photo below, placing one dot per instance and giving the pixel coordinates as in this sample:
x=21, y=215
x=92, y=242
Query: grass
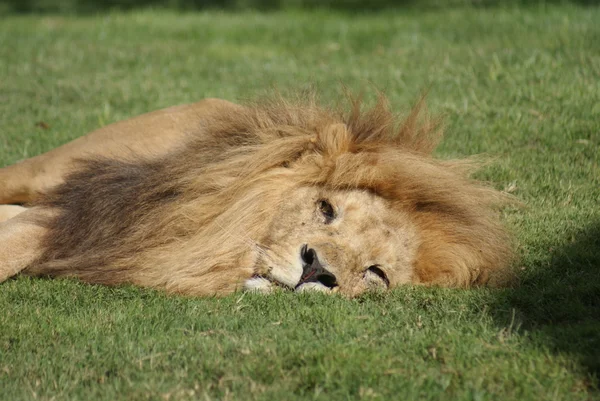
x=521, y=84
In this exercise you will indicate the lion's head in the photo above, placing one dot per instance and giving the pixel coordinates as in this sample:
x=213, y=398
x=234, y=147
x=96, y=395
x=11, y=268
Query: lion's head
x=342, y=239
x=283, y=194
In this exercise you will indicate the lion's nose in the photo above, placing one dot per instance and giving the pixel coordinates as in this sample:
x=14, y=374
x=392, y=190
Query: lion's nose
x=313, y=271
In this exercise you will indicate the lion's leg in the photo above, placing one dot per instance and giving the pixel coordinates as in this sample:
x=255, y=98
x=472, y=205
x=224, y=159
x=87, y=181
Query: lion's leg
x=10, y=211
x=149, y=135
x=21, y=241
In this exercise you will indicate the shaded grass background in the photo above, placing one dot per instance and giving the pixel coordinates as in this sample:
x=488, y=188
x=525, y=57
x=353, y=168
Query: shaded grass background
x=519, y=83
x=91, y=6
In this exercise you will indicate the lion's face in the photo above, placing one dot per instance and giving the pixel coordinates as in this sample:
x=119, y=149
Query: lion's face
x=342, y=240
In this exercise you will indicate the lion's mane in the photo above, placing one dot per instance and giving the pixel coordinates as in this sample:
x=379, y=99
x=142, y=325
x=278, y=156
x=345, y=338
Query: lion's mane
x=198, y=211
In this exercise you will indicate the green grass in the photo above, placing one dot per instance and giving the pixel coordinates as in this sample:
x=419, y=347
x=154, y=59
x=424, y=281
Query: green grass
x=521, y=84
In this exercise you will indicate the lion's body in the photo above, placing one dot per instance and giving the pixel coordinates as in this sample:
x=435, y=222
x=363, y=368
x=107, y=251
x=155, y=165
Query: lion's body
x=149, y=135
x=231, y=195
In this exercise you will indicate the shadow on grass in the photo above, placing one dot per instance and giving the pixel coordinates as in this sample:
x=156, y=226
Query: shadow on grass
x=92, y=6
x=561, y=302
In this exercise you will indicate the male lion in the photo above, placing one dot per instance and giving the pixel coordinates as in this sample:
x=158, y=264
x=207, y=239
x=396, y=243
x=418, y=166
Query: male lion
x=213, y=197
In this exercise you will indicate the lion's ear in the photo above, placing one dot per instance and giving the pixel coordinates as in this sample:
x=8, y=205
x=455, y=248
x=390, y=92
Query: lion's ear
x=334, y=139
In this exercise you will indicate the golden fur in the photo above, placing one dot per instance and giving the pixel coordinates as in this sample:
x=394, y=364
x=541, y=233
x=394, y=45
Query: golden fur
x=240, y=205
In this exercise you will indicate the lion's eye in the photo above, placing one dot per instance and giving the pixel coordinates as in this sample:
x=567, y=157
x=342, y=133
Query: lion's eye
x=375, y=269
x=326, y=210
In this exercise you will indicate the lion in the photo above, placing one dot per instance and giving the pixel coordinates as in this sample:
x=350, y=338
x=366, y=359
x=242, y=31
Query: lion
x=214, y=197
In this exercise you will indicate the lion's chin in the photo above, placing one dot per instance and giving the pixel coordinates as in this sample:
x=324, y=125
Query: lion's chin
x=266, y=285
x=314, y=286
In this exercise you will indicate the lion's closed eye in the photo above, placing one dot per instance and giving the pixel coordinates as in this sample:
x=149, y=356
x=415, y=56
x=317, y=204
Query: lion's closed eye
x=376, y=277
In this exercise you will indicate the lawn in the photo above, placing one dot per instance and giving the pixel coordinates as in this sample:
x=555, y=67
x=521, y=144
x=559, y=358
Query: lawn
x=521, y=84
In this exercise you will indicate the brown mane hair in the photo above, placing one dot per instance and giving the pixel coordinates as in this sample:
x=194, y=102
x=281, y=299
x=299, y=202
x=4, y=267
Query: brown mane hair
x=201, y=210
